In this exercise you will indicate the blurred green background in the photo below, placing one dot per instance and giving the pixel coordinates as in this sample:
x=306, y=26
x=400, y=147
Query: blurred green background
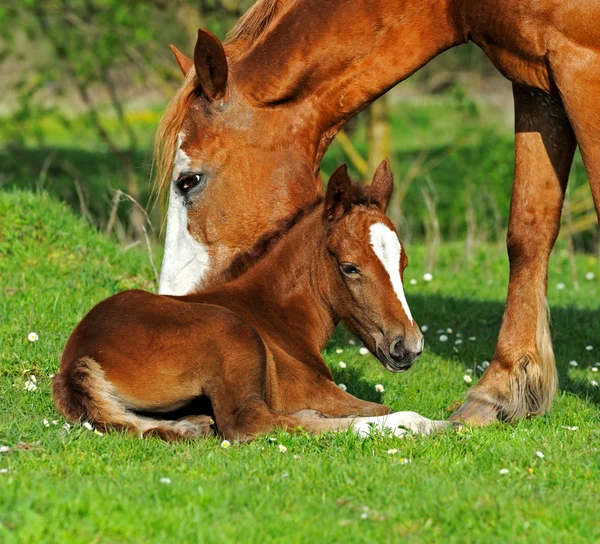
x=84, y=83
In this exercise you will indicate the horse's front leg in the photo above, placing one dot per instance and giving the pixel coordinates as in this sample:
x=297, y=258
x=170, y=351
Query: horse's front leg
x=521, y=378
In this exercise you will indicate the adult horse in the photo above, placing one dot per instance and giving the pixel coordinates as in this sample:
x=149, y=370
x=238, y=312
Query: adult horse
x=252, y=347
x=239, y=147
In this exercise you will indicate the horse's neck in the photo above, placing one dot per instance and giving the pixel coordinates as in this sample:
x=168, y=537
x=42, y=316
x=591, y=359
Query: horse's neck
x=290, y=286
x=333, y=57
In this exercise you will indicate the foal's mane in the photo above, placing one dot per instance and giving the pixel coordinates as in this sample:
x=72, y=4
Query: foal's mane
x=251, y=26
x=244, y=261
x=360, y=196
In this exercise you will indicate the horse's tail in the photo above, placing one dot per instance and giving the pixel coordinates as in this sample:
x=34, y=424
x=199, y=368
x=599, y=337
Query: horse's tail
x=81, y=392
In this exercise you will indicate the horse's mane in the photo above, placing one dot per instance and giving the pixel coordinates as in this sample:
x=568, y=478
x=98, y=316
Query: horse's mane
x=165, y=141
x=254, y=22
x=244, y=261
x=247, y=30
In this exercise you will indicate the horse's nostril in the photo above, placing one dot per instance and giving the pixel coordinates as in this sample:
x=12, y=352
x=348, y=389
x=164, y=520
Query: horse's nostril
x=397, y=348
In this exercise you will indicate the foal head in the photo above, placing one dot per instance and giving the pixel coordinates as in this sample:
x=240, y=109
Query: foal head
x=367, y=263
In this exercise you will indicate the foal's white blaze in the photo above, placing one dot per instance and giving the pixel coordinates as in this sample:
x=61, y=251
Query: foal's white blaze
x=386, y=246
x=185, y=261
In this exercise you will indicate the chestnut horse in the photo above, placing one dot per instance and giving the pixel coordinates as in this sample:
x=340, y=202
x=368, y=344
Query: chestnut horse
x=251, y=347
x=240, y=145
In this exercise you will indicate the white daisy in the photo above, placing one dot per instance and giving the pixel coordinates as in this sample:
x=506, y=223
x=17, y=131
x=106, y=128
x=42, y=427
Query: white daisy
x=88, y=425
x=472, y=338
x=424, y=328
x=503, y=471
x=3, y=471
x=46, y=423
x=413, y=281
x=573, y=363
x=449, y=330
x=352, y=342
x=485, y=364
x=404, y=461
x=225, y=444
x=469, y=371
x=560, y=286
x=590, y=276
x=379, y=388
x=570, y=428
x=339, y=351
x=593, y=383
x=282, y=448
x=589, y=348
x=166, y=481
x=594, y=369
x=392, y=451
x=363, y=351
x=539, y=454
x=467, y=379
x=458, y=341
x=32, y=337
x=4, y=449
x=443, y=338
x=30, y=386
x=427, y=276
x=342, y=386
x=341, y=364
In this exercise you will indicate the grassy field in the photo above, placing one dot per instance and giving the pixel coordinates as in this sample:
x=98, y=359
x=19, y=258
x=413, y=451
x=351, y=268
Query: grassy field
x=59, y=485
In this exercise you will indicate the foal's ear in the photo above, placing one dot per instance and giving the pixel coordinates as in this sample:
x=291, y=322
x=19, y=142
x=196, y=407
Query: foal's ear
x=338, y=197
x=184, y=62
x=382, y=185
x=211, y=65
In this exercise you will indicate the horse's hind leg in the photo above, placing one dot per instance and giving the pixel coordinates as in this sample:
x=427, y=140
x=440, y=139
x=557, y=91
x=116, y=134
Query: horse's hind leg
x=521, y=378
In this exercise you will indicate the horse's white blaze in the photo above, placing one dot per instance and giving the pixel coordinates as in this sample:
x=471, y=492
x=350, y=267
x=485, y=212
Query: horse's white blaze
x=386, y=246
x=185, y=261
x=398, y=423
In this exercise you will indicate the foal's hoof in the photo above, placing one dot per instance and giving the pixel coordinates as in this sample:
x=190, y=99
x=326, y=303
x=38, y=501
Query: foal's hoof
x=476, y=413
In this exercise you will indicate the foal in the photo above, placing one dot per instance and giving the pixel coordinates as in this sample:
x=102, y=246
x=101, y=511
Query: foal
x=251, y=347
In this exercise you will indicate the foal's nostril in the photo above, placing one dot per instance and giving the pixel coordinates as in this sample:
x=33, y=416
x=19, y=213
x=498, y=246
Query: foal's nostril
x=397, y=350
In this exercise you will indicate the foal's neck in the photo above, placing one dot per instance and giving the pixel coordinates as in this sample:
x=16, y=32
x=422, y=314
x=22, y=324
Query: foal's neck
x=290, y=284
x=332, y=58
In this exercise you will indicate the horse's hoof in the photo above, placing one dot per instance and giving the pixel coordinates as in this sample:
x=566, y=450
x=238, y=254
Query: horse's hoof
x=475, y=413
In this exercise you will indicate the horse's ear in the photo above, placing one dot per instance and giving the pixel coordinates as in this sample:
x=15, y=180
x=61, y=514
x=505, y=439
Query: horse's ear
x=382, y=185
x=338, y=198
x=211, y=65
x=184, y=62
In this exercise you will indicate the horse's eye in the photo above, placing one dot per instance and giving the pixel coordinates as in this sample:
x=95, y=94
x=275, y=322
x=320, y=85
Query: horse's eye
x=349, y=269
x=186, y=182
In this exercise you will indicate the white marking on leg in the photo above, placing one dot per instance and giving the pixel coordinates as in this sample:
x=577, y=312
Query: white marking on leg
x=398, y=423
x=386, y=246
x=185, y=261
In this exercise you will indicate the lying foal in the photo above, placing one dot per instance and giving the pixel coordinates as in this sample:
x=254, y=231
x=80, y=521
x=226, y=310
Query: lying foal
x=252, y=346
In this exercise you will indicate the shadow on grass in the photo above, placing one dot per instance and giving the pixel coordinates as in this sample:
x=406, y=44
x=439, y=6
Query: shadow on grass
x=571, y=328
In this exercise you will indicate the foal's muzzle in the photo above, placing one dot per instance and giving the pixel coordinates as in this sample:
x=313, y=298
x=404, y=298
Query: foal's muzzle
x=401, y=353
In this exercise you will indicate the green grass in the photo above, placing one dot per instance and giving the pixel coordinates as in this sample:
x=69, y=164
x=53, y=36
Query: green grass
x=81, y=487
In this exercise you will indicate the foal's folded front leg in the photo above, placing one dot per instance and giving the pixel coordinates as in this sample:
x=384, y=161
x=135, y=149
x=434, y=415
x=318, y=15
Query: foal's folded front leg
x=397, y=423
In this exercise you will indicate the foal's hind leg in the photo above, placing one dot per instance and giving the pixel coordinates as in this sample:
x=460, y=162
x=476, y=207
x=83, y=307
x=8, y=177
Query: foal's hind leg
x=521, y=378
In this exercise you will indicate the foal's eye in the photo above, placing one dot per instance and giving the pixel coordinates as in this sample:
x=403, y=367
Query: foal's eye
x=186, y=182
x=349, y=269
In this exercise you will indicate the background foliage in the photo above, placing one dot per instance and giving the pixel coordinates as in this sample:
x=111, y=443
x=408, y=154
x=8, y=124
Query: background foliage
x=85, y=81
